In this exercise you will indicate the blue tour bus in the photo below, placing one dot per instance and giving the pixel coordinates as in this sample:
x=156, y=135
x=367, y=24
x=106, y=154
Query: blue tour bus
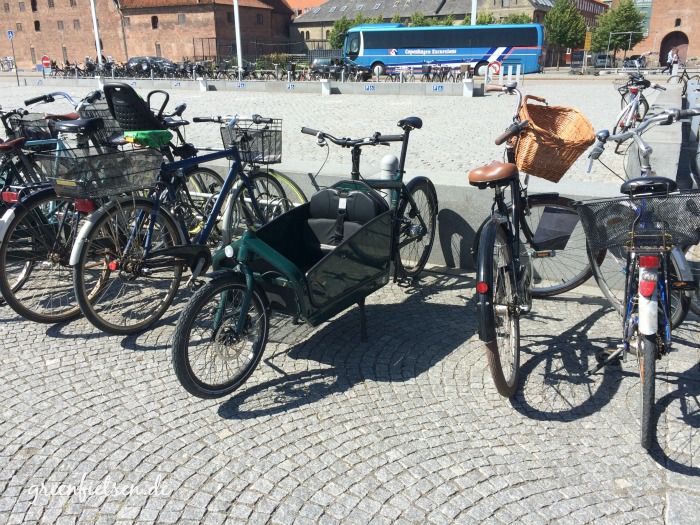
x=379, y=46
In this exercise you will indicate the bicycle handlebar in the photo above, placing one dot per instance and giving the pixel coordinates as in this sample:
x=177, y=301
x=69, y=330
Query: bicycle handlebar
x=513, y=129
x=43, y=98
x=374, y=140
x=229, y=119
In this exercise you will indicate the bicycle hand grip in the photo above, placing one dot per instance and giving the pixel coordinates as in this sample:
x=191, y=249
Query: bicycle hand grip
x=257, y=119
x=656, y=86
x=493, y=87
x=309, y=131
x=42, y=98
x=596, y=152
x=689, y=113
x=93, y=96
x=206, y=119
x=389, y=138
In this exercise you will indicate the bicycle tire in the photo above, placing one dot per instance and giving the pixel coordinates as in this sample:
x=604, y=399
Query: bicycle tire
x=609, y=266
x=647, y=378
x=678, y=79
x=293, y=193
x=642, y=108
x=413, y=243
x=196, y=326
x=203, y=188
x=36, y=280
x=119, y=291
x=566, y=268
x=495, y=269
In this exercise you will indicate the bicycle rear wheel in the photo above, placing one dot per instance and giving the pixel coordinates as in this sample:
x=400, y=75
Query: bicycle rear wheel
x=552, y=233
x=210, y=359
x=119, y=290
x=678, y=79
x=497, y=308
x=646, y=353
x=642, y=108
x=416, y=228
x=35, y=276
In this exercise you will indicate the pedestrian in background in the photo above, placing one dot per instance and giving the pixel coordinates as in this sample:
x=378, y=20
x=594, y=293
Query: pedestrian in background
x=669, y=61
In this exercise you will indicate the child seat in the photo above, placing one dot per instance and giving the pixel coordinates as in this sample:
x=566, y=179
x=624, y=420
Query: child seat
x=336, y=214
x=129, y=109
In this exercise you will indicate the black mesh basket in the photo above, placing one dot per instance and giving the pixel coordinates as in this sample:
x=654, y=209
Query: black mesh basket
x=78, y=174
x=112, y=129
x=657, y=222
x=33, y=126
x=257, y=143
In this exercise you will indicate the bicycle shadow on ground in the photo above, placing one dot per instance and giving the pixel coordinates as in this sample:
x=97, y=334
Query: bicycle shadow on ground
x=553, y=383
x=677, y=439
x=456, y=238
x=404, y=341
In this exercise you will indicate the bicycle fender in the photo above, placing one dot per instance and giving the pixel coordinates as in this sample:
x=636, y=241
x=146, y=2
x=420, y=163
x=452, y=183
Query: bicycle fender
x=484, y=301
x=29, y=200
x=415, y=180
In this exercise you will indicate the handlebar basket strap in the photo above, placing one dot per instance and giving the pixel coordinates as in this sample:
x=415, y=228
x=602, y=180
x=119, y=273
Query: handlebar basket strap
x=78, y=174
x=555, y=137
x=657, y=222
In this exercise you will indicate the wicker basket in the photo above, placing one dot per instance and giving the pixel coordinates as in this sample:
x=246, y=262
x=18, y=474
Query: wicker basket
x=554, y=139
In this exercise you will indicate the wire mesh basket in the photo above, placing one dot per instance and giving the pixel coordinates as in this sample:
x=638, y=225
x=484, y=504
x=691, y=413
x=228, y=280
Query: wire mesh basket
x=257, y=143
x=33, y=126
x=82, y=174
x=621, y=84
x=658, y=222
x=111, y=129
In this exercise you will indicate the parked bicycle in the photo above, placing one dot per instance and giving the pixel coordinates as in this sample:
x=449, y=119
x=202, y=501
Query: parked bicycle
x=684, y=78
x=634, y=105
x=647, y=225
x=309, y=263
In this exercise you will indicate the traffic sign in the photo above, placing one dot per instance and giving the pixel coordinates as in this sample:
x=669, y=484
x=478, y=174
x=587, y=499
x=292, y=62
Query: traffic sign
x=10, y=34
x=45, y=61
x=587, y=42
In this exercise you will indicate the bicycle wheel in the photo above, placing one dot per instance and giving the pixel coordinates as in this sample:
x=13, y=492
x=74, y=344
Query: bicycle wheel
x=609, y=269
x=203, y=188
x=678, y=79
x=497, y=308
x=416, y=225
x=552, y=233
x=646, y=352
x=293, y=194
x=240, y=213
x=642, y=108
x=624, y=123
x=35, y=275
x=210, y=359
x=692, y=255
x=119, y=290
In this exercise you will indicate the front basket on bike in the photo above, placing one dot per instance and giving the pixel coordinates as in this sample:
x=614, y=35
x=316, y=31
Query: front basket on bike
x=78, y=174
x=641, y=222
x=257, y=143
x=34, y=126
x=555, y=137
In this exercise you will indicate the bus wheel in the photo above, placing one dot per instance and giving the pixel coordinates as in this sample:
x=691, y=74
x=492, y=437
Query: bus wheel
x=378, y=69
x=481, y=69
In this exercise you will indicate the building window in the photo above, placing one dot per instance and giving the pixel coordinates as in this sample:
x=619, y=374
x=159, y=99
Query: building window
x=343, y=8
x=260, y=19
x=229, y=17
x=181, y=18
x=34, y=6
x=308, y=36
x=60, y=25
x=65, y=54
x=19, y=26
x=76, y=24
x=678, y=22
x=73, y=3
x=377, y=6
x=51, y=6
x=21, y=6
x=126, y=21
x=506, y=3
x=37, y=26
x=158, y=51
x=7, y=8
x=33, y=52
x=359, y=7
x=154, y=22
x=330, y=10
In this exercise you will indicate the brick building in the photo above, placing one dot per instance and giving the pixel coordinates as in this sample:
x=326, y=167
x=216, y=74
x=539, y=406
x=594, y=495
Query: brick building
x=175, y=29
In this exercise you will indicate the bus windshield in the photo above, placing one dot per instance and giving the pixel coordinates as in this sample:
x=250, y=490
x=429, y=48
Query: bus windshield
x=386, y=46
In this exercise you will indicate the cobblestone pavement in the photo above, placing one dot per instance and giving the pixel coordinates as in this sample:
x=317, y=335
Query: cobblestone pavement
x=406, y=428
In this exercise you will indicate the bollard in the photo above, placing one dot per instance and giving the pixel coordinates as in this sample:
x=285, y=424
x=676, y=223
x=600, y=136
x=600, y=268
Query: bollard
x=325, y=86
x=390, y=163
x=202, y=84
x=468, y=87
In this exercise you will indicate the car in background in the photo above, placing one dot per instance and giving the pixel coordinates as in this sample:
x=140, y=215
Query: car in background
x=635, y=61
x=331, y=67
x=603, y=61
x=159, y=65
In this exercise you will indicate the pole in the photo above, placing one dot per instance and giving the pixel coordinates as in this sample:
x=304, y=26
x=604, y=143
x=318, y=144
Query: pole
x=98, y=47
x=239, y=51
x=14, y=60
x=473, y=12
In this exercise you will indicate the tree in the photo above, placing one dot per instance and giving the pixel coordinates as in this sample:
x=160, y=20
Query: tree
x=517, y=18
x=564, y=27
x=340, y=27
x=484, y=18
x=396, y=19
x=418, y=19
x=625, y=20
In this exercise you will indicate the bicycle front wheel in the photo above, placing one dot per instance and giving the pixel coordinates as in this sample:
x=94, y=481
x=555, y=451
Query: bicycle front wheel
x=497, y=308
x=552, y=234
x=35, y=277
x=646, y=352
x=678, y=79
x=417, y=222
x=121, y=283
x=211, y=357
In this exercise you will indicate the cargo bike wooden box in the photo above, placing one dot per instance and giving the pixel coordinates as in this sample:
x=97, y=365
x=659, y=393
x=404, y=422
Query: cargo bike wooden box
x=310, y=263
